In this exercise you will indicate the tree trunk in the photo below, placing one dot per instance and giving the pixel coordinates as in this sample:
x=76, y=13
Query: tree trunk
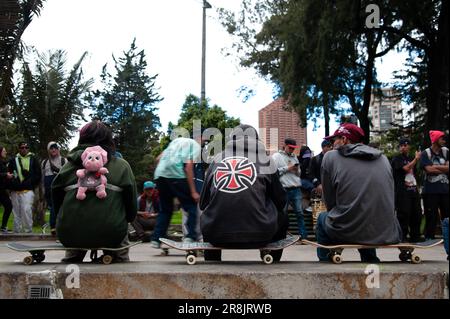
x=438, y=77
x=326, y=113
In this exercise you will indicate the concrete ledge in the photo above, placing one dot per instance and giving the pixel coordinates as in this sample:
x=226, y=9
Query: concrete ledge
x=231, y=285
x=241, y=275
x=288, y=280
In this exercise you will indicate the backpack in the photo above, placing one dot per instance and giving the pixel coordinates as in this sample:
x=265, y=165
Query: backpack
x=54, y=169
x=444, y=152
x=441, y=177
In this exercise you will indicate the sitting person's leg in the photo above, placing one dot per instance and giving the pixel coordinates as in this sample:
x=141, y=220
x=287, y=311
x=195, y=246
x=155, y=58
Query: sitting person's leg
x=141, y=225
x=120, y=255
x=74, y=256
x=369, y=255
x=322, y=237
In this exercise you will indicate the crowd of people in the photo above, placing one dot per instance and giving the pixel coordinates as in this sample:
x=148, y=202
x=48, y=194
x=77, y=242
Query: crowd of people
x=239, y=198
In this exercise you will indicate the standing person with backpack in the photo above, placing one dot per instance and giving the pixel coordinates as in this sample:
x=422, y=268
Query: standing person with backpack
x=50, y=168
x=434, y=161
x=90, y=219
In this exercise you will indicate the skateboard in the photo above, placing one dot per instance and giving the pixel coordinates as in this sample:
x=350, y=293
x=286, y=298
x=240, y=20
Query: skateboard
x=192, y=248
x=38, y=256
x=406, y=249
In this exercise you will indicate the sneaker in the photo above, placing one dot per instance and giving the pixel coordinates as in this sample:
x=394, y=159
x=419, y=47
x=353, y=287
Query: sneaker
x=155, y=244
x=145, y=239
x=5, y=230
x=188, y=240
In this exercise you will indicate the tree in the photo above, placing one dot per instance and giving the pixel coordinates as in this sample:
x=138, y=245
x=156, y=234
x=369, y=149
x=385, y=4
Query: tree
x=49, y=102
x=127, y=104
x=210, y=116
x=15, y=17
x=425, y=81
x=323, y=53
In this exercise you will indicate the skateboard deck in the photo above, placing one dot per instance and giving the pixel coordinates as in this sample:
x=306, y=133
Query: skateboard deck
x=191, y=248
x=38, y=256
x=406, y=249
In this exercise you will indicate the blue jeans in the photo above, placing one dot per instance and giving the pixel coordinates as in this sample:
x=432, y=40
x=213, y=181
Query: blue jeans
x=445, y=233
x=367, y=255
x=294, y=198
x=48, y=197
x=169, y=188
x=307, y=185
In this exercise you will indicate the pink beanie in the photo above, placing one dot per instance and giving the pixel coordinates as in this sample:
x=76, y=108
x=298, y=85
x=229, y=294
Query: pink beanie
x=435, y=136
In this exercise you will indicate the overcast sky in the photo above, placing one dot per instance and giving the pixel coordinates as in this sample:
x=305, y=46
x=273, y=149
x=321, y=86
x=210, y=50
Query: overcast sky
x=170, y=34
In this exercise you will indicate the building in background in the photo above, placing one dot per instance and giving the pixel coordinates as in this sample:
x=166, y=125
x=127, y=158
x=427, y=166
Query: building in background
x=384, y=110
x=275, y=124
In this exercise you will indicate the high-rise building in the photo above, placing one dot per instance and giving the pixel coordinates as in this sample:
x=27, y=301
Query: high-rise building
x=275, y=124
x=385, y=109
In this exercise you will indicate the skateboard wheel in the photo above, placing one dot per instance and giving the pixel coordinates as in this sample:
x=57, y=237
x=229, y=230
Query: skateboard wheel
x=267, y=259
x=337, y=259
x=28, y=260
x=415, y=259
x=107, y=259
x=191, y=259
x=165, y=252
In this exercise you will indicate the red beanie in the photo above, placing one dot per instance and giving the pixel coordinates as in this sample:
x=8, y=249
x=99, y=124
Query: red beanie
x=435, y=136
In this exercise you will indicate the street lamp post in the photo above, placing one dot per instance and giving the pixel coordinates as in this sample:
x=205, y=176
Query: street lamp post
x=206, y=5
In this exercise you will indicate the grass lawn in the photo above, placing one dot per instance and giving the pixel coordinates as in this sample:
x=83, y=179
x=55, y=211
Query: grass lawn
x=176, y=218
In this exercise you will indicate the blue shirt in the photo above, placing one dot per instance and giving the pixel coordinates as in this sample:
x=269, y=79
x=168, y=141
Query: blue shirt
x=178, y=153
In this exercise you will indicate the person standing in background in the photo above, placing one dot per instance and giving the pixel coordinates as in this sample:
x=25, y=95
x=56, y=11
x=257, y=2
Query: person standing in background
x=50, y=168
x=5, y=178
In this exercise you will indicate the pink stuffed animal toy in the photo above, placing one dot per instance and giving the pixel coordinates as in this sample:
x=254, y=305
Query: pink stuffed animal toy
x=92, y=177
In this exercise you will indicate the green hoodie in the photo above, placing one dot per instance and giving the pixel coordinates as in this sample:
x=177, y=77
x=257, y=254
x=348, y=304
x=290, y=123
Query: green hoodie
x=94, y=222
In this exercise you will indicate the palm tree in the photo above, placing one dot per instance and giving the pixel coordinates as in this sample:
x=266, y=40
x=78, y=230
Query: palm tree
x=15, y=16
x=50, y=100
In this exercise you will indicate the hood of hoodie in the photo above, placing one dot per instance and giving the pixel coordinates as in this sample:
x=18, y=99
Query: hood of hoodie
x=247, y=146
x=74, y=155
x=359, y=151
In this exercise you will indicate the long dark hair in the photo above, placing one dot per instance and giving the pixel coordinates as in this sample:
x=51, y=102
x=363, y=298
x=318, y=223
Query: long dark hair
x=1, y=150
x=97, y=133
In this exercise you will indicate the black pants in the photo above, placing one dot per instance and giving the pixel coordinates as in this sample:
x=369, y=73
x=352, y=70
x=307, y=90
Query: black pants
x=6, y=202
x=435, y=205
x=170, y=188
x=409, y=213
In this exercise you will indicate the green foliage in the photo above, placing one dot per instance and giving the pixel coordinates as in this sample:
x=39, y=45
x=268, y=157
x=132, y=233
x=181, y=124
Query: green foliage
x=322, y=54
x=15, y=17
x=210, y=116
x=127, y=104
x=9, y=136
x=49, y=102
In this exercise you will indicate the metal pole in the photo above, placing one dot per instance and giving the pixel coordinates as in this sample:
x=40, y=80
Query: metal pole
x=206, y=5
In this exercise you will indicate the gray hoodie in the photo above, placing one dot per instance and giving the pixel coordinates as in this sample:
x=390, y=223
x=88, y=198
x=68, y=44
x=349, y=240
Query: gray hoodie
x=358, y=190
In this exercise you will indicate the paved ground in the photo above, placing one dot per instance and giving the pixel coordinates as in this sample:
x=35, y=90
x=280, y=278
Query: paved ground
x=240, y=275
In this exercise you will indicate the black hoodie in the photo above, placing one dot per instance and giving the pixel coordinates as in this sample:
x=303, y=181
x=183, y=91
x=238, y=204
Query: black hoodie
x=358, y=189
x=242, y=195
